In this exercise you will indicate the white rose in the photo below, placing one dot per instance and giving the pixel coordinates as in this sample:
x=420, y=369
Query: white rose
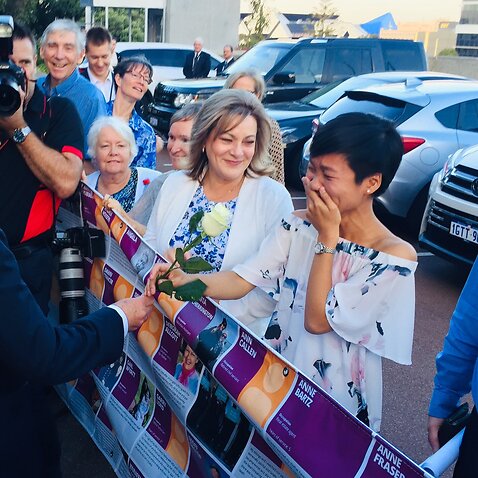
x=217, y=221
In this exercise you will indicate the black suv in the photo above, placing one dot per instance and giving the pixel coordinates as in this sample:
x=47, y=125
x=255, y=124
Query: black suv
x=293, y=69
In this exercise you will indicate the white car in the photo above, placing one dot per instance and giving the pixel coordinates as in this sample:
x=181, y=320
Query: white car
x=450, y=223
x=167, y=58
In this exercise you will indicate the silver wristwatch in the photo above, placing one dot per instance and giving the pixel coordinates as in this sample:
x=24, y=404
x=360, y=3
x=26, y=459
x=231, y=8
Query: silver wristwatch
x=20, y=134
x=321, y=248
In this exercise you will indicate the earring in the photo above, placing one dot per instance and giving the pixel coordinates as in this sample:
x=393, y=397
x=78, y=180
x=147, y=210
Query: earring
x=368, y=191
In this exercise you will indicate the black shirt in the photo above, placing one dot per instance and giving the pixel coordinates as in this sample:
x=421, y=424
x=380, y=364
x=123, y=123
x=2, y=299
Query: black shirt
x=26, y=206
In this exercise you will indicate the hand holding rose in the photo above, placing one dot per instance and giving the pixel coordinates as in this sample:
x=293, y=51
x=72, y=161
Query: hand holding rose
x=180, y=278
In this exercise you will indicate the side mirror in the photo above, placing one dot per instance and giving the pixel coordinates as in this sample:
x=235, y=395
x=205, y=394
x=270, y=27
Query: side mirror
x=284, y=77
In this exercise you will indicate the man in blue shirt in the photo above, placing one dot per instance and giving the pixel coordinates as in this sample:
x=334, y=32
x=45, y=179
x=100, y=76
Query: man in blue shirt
x=457, y=374
x=62, y=49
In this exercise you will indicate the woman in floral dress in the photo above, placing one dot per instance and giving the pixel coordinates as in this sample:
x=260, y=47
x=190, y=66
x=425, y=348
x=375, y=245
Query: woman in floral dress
x=344, y=284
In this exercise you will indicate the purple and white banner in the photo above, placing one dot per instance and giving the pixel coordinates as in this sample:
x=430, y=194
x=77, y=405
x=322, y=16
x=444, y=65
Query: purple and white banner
x=168, y=408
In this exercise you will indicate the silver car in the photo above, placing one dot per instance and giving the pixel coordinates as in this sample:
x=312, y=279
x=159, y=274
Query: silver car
x=434, y=118
x=450, y=224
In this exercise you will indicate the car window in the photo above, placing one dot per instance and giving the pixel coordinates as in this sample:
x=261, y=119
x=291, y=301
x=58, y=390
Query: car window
x=262, y=58
x=347, y=62
x=468, y=117
x=448, y=117
x=160, y=57
x=307, y=65
x=397, y=58
x=392, y=109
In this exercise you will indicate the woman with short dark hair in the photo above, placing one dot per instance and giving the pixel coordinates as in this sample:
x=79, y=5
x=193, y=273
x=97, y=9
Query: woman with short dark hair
x=343, y=283
x=133, y=76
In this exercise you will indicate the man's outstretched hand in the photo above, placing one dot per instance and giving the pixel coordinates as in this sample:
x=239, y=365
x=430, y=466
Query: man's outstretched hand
x=137, y=310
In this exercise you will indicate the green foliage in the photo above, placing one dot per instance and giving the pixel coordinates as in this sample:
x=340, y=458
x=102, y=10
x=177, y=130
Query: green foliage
x=448, y=52
x=38, y=14
x=256, y=23
x=325, y=12
x=196, y=264
x=118, y=22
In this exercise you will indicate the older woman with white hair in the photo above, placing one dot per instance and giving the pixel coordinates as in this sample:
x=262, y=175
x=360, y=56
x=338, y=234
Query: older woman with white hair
x=112, y=146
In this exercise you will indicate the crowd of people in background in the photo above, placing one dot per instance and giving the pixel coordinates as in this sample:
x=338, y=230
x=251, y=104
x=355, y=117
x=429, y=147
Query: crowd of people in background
x=330, y=287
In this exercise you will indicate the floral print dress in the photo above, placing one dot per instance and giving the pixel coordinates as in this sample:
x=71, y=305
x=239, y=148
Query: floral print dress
x=370, y=309
x=211, y=249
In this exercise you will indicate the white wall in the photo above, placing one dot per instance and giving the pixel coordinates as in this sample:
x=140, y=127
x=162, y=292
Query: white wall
x=216, y=21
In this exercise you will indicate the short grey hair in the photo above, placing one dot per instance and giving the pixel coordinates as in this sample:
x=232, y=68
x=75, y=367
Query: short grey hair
x=64, y=25
x=188, y=112
x=119, y=125
x=254, y=75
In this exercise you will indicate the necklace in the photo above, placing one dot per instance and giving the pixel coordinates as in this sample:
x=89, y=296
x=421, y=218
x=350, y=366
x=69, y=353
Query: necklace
x=219, y=194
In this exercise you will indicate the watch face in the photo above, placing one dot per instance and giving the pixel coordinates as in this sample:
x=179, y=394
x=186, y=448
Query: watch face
x=19, y=135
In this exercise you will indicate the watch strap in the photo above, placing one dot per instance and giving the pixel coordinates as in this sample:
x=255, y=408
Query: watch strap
x=20, y=134
x=321, y=248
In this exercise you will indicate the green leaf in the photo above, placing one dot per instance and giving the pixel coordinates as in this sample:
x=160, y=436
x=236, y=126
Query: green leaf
x=166, y=287
x=195, y=220
x=196, y=264
x=192, y=291
x=180, y=257
x=197, y=240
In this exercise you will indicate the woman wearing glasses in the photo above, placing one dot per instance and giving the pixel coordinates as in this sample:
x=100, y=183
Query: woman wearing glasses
x=133, y=75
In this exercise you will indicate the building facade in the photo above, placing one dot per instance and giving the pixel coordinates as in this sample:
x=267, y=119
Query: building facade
x=178, y=21
x=467, y=30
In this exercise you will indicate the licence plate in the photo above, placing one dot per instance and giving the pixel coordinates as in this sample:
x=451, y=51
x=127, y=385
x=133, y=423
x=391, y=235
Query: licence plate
x=463, y=231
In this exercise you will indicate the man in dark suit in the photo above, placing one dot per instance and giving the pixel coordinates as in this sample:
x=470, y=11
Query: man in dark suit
x=198, y=62
x=32, y=351
x=228, y=59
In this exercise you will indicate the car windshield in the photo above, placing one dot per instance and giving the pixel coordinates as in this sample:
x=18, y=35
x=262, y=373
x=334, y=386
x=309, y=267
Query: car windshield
x=262, y=58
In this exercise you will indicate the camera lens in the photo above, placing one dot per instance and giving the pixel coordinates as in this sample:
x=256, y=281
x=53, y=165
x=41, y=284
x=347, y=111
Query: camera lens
x=72, y=285
x=9, y=95
x=72, y=278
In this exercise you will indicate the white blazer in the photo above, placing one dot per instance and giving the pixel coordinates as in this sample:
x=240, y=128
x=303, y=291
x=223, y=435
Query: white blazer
x=261, y=204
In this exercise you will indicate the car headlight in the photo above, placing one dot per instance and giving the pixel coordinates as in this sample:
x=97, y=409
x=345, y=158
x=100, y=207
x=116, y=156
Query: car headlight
x=202, y=96
x=288, y=135
x=449, y=166
x=182, y=99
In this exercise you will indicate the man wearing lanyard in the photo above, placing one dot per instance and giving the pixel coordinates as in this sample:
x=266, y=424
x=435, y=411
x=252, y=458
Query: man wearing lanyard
x=99, y=50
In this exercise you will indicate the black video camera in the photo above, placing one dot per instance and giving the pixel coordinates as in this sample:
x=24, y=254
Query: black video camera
x=73, y=244
x=91, y=242
x=12, y=77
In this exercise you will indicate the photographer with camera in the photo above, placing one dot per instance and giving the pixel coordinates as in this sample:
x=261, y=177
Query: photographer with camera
x=41, y=143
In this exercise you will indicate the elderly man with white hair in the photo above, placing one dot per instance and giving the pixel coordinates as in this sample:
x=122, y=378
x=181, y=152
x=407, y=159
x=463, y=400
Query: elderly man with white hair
x=198, y=62
x=112, y=147
x=62, y=48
